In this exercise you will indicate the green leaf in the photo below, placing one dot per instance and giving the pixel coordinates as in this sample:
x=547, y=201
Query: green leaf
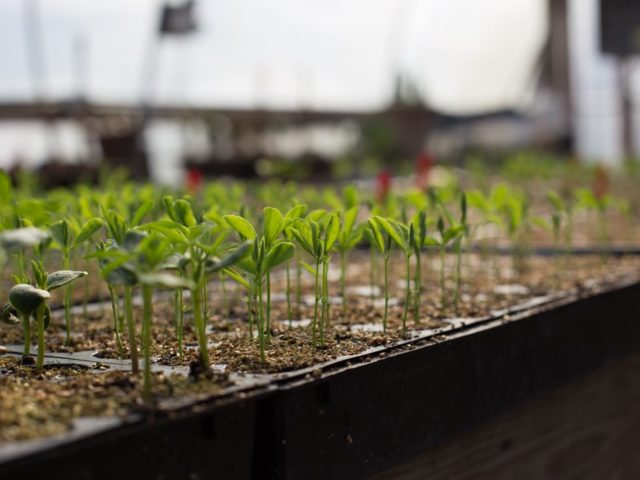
x=60, y=233
x=309, y=268
x=141, y=212
x=303, y=235
x=231, y=258
x=26, y=298
x=242, y=226
x=316, y=215
x=296, y=212
x=183, y=213
x=236, y=277
x=63, y=277
x=331, y=233
x=273, y=225
x=451, y=233
x=349, y=221
x=391, y=231
x=88, y=229
x=376, y=235
x=279, y=253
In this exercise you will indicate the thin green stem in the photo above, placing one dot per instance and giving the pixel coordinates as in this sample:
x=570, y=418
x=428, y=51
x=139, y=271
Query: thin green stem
x=456, y=292
x=324, y=321
x=200, y=322
x=205, y=300
x=268, y=326
x=288, y=294
x=179, y=319
x=315, y=304
x=147, y=314
x=67, y=303
x=343, y=281
x=417, y=288
x=40, y=323
x=299, y=289
x=250, y=307
x=372, y=272
x=386, y=292
x=133, y=347
x=442, y=285
x=407, y=297
x=261, y=338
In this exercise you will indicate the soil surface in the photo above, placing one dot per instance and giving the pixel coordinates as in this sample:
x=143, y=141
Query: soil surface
x=43, y=403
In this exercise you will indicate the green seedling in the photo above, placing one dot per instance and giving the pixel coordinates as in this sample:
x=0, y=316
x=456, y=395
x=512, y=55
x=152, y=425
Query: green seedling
x=296, y=212
x=447, y=235
x=350, y=236
x=267, y=252
x=69, y=237
x=317, y=234
x=30, y=301
x=405, y=238
x=382, y=241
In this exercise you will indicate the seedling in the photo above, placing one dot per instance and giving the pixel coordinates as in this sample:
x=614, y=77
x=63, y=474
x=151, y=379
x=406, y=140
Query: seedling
x=267, y=253
x=404, y=237
x=348, y=238
x=29, y=301
x=69, y=236
x=382, y=240
x=317, y=234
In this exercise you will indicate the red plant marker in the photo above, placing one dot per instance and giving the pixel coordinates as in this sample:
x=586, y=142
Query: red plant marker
x=193, y=179
x=424, y=163
x=383, y=185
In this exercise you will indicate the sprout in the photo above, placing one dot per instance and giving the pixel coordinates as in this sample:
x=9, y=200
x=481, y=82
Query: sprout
x=29, y=301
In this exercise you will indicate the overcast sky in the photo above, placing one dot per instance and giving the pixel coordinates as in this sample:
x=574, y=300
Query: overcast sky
x=465, y=55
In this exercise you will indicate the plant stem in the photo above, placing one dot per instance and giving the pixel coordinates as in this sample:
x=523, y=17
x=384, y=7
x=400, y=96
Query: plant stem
x=299, y=288
x=325, y=300
x=315, y=304
x=205, y=299
x=179, y=319
x=417, y=288
x=343, y=281
x=407, y=297
x=147, y=313
x=67, y=303
x=372, y=272
x=250, y=304
x=456, y=292
x=261, y=320
x=200, y=323
x=114, y=310
x=26, y=326
x=40, y=323
x=386, y=292
x=268, y=307
x=442, y=286
x=288, y=294
x=133, y=347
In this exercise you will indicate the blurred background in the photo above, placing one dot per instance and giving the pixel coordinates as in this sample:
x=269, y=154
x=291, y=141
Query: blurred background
x=311, y=90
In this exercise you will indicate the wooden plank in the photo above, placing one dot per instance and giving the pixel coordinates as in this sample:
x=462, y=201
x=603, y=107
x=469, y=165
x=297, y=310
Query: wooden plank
x=588, y=429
